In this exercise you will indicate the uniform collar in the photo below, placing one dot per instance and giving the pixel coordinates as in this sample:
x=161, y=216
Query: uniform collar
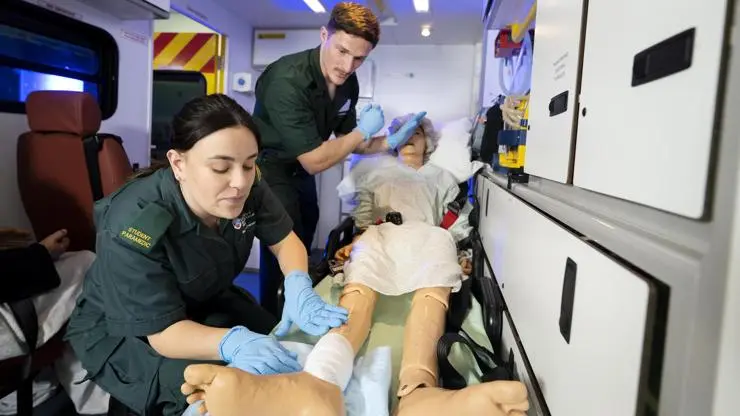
x=185, y=220
x=321, y=90
x=318, y=76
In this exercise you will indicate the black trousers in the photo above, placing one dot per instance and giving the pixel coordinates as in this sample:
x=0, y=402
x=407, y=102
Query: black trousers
x=297, y=193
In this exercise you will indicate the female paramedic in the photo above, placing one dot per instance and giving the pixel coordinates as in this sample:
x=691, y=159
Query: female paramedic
x=159, y=295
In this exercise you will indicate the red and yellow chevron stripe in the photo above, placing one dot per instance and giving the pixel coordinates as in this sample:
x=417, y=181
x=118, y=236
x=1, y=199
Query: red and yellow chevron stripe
x=190, y=52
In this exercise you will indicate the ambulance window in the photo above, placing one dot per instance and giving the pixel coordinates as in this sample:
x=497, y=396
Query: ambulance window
x=43, y=50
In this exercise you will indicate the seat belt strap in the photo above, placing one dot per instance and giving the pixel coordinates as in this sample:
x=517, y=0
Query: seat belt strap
x=490, y=366
x=24, y=313
x=92, y=146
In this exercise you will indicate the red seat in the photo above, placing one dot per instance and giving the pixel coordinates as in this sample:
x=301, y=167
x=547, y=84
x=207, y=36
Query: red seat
x=64, y=164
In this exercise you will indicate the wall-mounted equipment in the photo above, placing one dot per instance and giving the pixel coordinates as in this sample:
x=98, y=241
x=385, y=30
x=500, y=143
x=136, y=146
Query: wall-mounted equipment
x=242, y=82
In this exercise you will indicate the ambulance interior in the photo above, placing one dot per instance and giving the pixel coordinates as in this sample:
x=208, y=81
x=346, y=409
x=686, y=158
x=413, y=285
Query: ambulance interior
x=606, y=273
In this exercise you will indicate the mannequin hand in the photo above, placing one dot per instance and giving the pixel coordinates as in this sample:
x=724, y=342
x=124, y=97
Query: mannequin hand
x=256, y=353
x=304, y=307
x=371, y=120
x=404, y=133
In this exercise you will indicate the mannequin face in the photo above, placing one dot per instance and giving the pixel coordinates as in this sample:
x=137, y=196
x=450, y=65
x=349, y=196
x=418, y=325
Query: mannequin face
x=412, y=153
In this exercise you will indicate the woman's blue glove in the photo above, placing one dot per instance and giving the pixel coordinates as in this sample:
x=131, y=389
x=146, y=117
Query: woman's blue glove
x=404, y=133
x=304, y=307
x=256, y=353
x=371, y=120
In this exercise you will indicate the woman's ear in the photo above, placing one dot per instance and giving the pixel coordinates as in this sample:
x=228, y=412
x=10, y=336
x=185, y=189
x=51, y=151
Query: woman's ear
x=177, y=161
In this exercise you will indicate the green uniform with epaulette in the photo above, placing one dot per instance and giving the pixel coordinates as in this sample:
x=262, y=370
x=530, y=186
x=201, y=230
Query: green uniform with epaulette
x=295, y=115
x=157, y=264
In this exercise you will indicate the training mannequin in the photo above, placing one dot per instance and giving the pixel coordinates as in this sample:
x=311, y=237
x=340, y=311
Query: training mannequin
x=318, y=389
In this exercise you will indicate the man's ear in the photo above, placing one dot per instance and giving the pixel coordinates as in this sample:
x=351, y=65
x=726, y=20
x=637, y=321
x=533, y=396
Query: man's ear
x=324, y=34
x=177, y=161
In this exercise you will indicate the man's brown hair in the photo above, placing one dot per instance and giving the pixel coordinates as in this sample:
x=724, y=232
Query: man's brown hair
x=355, y=19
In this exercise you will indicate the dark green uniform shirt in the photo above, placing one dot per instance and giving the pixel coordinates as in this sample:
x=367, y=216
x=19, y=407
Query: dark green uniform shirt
x=294, y=111
x=158, y=264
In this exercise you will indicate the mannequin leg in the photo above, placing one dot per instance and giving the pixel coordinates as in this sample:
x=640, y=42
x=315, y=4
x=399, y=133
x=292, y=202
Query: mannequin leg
x=418, y=378
x=231, y=392
x=359, y=300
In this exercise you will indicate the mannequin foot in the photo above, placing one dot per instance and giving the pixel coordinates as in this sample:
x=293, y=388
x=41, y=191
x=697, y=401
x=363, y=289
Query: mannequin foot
x=496, y=398
x=232, y=392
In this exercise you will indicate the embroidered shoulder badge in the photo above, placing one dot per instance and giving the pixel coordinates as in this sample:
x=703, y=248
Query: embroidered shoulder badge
x=147, y=228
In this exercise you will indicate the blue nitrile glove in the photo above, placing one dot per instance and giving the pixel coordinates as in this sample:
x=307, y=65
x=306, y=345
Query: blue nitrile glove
x=371, y=120
x=256, y=353
x=304, y=307
x=404, y=133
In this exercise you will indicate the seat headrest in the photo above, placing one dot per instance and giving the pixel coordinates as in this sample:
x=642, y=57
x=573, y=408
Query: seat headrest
x=63, y=112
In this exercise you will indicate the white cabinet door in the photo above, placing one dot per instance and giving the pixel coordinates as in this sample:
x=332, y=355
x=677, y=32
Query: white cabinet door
x=648, y=101
x=553, y=100
x=582, y=318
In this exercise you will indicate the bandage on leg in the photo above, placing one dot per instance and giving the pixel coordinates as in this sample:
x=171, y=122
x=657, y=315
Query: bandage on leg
x=331, y=360
x=424, y=326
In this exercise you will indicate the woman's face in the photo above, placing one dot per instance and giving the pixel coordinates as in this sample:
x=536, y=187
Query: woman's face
x=217, y=173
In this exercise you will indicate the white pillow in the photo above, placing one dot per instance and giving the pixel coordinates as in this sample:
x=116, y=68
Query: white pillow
x=453, y=152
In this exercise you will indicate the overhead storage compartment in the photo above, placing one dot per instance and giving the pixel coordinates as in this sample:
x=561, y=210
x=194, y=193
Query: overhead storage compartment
x=553, y=102
x=133, y=9
x=650, y=87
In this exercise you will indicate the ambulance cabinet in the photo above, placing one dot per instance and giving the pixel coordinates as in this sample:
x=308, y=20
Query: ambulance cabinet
x=648, y=103
x=584, y=320
x=553, y=99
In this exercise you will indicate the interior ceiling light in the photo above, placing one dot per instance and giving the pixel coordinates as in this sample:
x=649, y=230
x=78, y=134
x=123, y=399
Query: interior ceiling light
x=426, y=31
x=421, y=6
x=315, y=6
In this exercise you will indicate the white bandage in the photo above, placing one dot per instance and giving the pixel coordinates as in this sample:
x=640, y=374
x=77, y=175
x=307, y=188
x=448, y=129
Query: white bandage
x=331, y=360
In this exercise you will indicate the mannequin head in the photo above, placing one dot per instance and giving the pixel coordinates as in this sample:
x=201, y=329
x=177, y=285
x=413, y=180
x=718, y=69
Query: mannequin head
x=422, y=143
x=413, y=153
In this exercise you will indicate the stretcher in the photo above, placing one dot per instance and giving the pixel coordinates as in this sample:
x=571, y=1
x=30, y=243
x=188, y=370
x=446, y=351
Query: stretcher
x=477, y=306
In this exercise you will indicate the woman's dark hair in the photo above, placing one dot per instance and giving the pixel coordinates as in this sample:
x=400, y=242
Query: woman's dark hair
x=201, y=117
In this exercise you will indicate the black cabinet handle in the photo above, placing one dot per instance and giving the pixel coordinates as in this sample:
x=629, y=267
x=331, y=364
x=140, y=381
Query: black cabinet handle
x=567, y=299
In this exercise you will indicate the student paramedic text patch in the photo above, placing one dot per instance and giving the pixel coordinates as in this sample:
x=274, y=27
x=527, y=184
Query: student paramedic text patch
x=147, y=228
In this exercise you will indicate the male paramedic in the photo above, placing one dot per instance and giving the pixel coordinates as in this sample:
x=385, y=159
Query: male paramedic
x=301, y=99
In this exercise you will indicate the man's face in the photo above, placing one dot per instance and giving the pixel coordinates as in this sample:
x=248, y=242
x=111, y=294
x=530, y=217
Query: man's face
x=342, y=54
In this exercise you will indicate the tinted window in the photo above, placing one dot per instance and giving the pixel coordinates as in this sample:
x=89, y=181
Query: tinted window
x=43, y=50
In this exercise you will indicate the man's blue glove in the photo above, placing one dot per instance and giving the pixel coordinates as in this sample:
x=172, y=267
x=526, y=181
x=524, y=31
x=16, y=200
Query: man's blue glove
x=256, y=353
x=304, y=307
x=371, y=120
x=404, y=133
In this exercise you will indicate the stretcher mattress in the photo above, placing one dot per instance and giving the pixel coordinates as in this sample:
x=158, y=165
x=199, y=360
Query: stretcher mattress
x=387, y=330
